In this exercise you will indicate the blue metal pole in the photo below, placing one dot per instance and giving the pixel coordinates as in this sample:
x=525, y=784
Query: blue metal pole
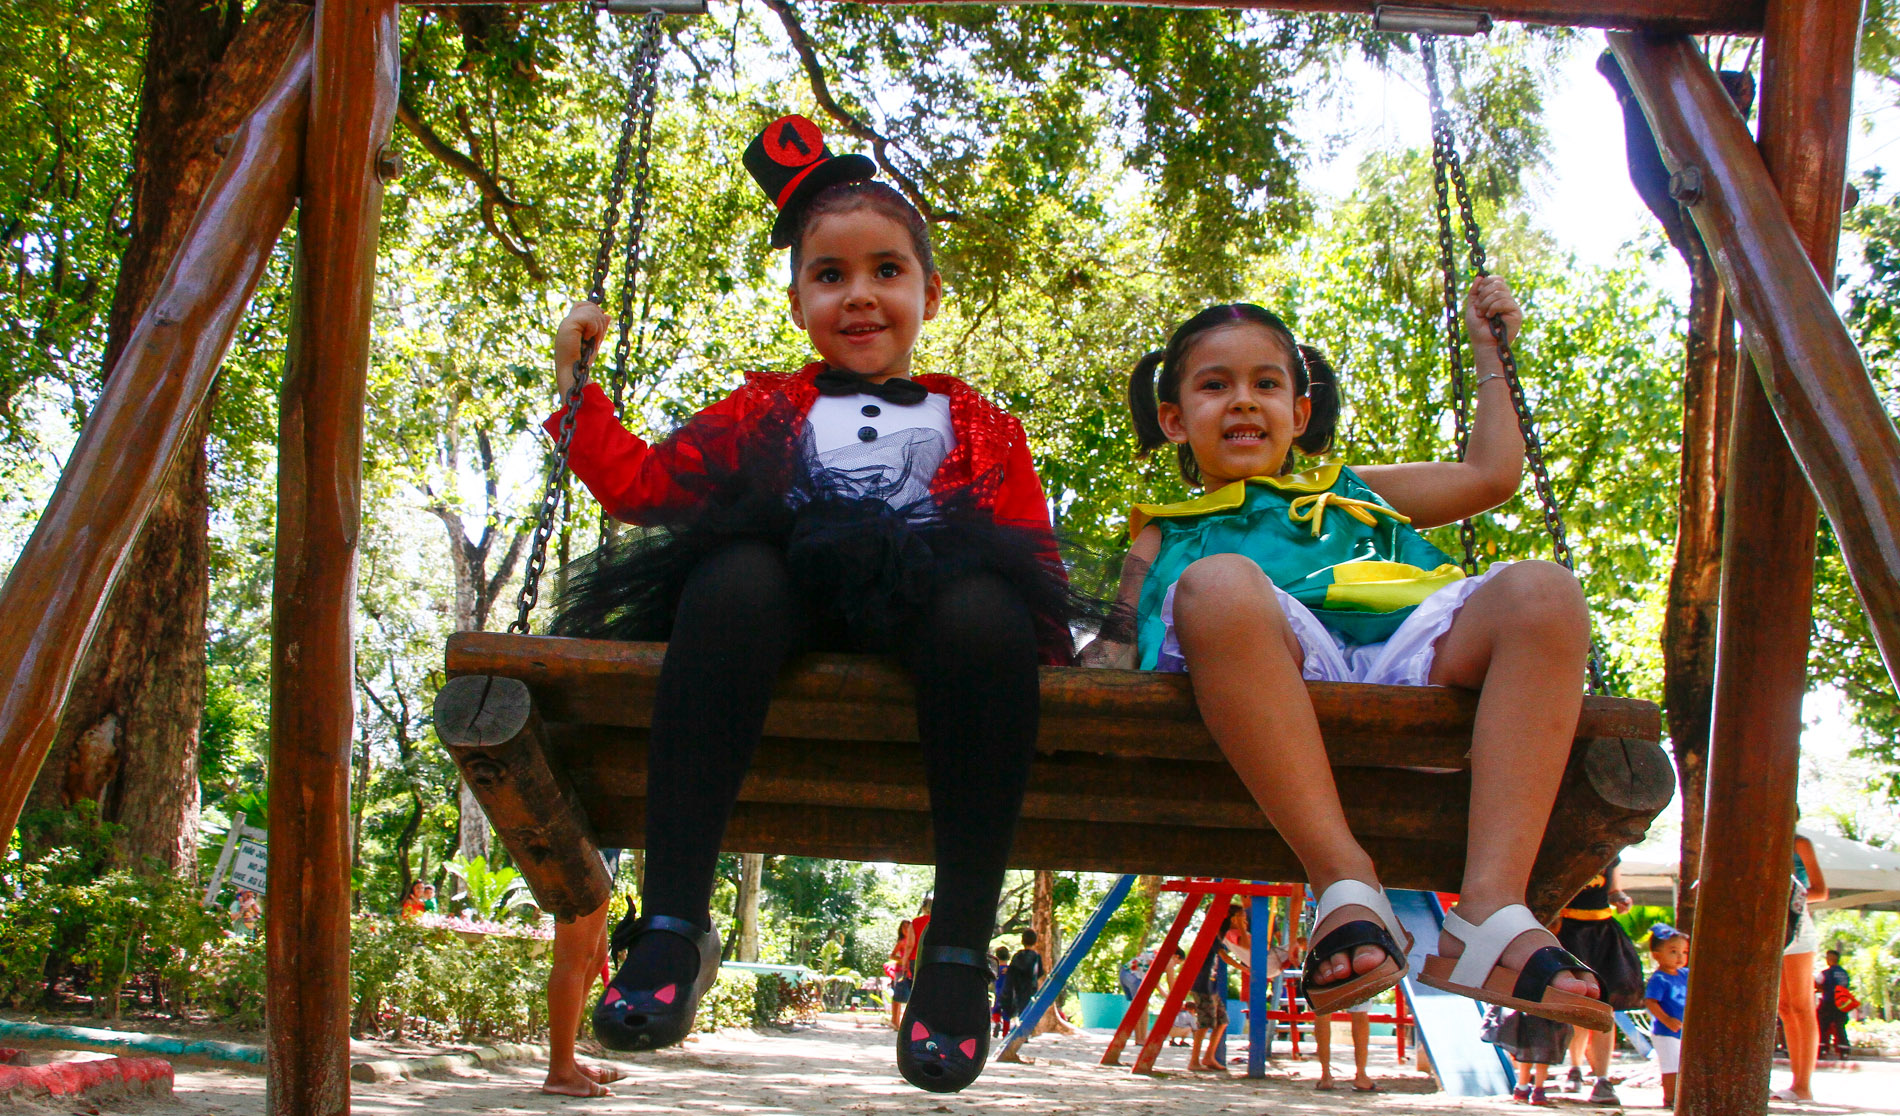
x=1257, y=990
x=1058, y=978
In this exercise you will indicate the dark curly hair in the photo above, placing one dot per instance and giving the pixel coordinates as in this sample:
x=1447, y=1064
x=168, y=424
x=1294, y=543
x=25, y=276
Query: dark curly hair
x=1157, y=379
x=846, y=197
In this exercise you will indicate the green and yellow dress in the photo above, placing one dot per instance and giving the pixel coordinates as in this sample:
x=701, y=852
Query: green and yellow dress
x=1350, y=571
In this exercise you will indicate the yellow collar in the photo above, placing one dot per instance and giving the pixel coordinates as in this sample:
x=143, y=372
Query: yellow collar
x=1231, y=496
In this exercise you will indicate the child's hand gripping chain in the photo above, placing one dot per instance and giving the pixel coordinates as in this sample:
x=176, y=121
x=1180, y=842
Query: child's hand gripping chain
x=1272, y=579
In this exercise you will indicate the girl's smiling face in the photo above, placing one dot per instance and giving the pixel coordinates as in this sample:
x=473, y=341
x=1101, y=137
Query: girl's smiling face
x=861, y=293
x=1238, y=412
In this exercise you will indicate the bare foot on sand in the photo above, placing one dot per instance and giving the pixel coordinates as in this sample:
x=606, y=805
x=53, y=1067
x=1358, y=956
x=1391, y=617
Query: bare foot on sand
x=581, y=1081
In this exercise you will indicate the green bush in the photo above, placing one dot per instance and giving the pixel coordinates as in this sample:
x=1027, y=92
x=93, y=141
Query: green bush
x=59, y=915
x=743, y=999
x=732, y=1001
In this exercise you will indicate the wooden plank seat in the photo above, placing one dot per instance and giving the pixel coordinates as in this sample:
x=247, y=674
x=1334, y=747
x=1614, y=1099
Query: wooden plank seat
x=551, y=734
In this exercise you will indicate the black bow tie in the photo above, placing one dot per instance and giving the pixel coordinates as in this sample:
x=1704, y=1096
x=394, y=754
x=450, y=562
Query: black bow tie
x=900, y=390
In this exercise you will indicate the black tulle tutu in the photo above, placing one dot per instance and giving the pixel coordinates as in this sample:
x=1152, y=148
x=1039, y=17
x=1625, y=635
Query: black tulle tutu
x=1601, y=944
x=869, y=547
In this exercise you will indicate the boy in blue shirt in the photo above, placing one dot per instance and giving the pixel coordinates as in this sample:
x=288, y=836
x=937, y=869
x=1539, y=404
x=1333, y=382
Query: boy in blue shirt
x=1667, y=997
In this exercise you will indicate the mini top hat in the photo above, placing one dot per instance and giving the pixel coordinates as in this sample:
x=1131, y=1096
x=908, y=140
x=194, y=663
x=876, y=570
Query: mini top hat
x=790, y=162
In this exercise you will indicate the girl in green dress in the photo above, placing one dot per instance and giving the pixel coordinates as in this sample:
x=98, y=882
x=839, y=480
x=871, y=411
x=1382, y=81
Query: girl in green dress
x=1272, y=578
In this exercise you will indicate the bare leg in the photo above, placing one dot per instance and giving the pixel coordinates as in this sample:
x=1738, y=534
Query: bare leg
x=1598, y=1043
x=1245, y=665
x=1798, y=1021
x=1521, y=640
x=579, y=949
x=1361, y=1050
x=1323, y=1050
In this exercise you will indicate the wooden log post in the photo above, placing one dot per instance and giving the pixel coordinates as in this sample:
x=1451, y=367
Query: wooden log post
x=319, y=498
x=1769, y=529
x=1765, y=248
x=490, y=727
x=152, y=401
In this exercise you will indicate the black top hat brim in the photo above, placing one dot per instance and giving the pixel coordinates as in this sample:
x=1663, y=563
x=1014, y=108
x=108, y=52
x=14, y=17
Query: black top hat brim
x=838, y=168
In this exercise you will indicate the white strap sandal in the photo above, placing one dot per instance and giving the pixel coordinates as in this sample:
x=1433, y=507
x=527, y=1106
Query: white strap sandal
x=1476, y=972
x=1386, y=934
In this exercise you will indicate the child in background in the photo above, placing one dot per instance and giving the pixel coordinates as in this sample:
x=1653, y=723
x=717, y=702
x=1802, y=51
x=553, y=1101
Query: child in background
x=1361, y=1048
x=1022, y=977
x=999, y=1021
x=1836, y=990
x=1667, y=998
x=1535, y=1045
x=1273, y=578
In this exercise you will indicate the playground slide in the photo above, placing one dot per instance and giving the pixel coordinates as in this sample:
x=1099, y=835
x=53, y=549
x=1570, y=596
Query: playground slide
x=1635, y=1031
x=1448, y=1025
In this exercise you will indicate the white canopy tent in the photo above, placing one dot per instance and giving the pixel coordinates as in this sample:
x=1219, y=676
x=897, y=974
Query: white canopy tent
x=1858, y=876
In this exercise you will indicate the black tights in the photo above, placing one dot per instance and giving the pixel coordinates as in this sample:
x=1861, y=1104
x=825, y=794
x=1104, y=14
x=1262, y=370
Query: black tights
x=973, y=656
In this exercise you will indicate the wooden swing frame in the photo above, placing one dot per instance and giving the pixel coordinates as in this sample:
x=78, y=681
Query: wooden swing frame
x=1807, y=424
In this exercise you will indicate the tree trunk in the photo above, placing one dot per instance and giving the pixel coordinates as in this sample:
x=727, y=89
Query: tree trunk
x=745, y=906
x=128, y=737
x=1689, y=620
x=359, y=798
x=1048, y=942
x=476, y=592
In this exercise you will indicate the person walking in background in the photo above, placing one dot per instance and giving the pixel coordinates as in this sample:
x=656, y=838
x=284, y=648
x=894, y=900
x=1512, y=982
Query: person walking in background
x=1836, y=1000
x=897, y=968
x=1589, y=930
x=1022, y=977
x=1666, y=995
x=1210, y=1000
x=1796, y=1004
x=999, y=1017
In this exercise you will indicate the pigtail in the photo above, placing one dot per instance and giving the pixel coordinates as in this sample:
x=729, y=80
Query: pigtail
x=1143, y=406
x=1322, y=388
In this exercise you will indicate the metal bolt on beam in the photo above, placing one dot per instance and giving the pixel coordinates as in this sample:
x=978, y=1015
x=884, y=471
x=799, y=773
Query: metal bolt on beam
x=1685, y=185
x=642, y=7
x=1405, y=19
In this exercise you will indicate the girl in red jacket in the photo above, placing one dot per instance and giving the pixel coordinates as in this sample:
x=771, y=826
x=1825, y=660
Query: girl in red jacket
x=849, y=506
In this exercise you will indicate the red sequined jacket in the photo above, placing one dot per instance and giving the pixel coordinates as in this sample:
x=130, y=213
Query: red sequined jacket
x=635, y=481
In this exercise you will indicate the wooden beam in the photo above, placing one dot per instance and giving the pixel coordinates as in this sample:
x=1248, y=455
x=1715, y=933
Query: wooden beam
x=1773, y=223
x=319, y=497
x=1106, y=805
x=489, y=725
x=1700, y=17
x=1128, y=713
x=1777, y=264
x=152, y=400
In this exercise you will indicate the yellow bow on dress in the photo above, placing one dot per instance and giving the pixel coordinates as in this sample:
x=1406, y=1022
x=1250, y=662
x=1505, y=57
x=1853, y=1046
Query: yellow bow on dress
x=1312, y=509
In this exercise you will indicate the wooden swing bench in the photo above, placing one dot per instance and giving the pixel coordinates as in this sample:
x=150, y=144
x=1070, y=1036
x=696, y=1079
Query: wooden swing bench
x=551, y=735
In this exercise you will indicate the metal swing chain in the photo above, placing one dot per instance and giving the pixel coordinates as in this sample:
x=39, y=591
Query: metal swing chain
x=1444, y=156
x=638, y=120
x=646, y=62
x=1446, y=163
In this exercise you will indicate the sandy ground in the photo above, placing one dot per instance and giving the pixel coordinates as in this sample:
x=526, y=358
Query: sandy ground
x=841, y=1068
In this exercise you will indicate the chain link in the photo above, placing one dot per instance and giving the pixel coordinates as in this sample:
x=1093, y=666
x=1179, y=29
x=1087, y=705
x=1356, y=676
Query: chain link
x=1447, y=165
x=636, y=129
x=1445, y=156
